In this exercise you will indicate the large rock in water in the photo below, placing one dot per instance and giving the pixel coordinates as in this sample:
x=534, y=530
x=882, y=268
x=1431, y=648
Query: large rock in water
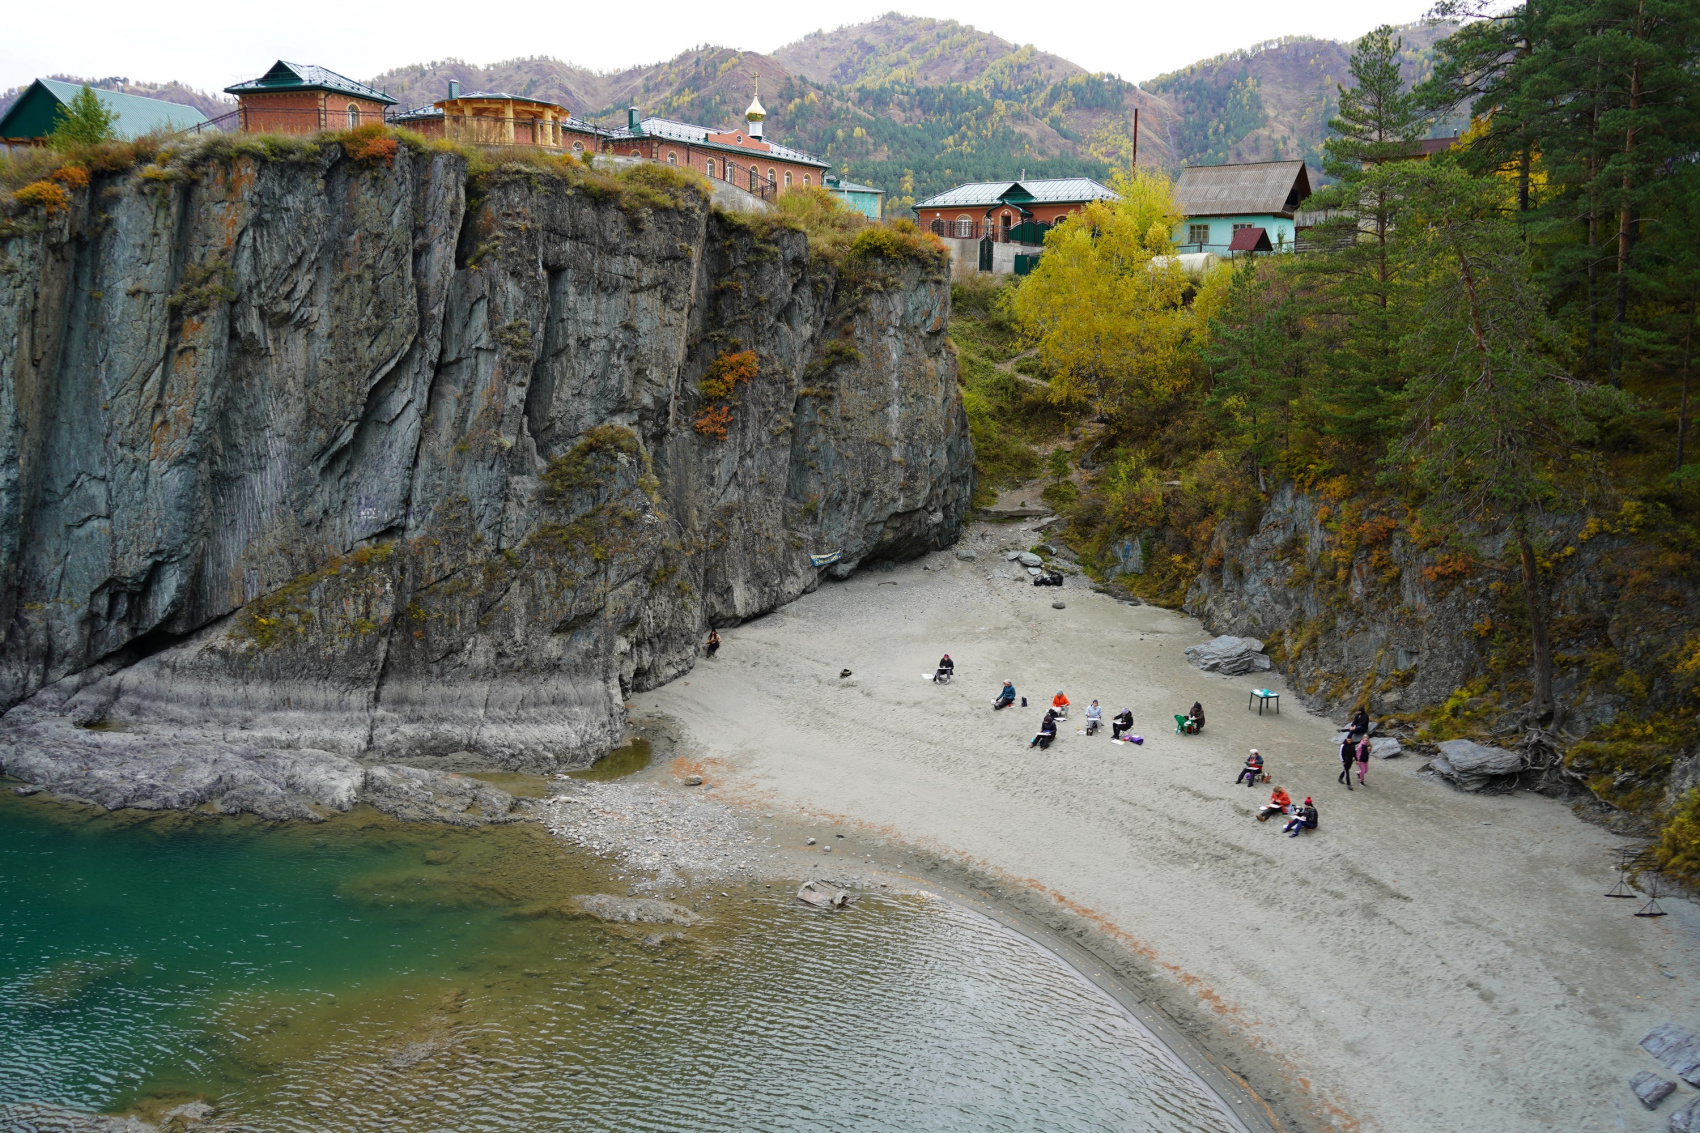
x=1471, y=766
x=1229, y=655
x=317, y=455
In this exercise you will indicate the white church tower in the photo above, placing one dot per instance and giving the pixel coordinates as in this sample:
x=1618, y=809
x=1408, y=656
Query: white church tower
x=755, y=114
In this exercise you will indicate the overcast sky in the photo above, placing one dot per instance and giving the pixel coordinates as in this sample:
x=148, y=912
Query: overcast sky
x=211, y=45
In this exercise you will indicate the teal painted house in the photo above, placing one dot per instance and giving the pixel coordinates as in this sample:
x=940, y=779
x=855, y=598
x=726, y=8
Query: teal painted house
x=864, y=199
x=29, y=119
x=1217, y=201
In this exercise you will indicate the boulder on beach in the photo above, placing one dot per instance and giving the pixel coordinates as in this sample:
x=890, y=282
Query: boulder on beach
x=634, y=910
x=1230, y=655
x=1677, y=1048
x=1382, y=747
x=965, y=554
x=1470, y=766
x=1029, y=559
x=1686, y=1119
x=1651, y=1088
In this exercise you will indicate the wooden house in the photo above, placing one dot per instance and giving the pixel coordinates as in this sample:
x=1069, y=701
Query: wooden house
x=1216, y=201
x=300, y=98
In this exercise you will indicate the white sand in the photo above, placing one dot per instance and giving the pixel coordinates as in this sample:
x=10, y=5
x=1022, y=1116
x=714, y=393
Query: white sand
x=1428, y=960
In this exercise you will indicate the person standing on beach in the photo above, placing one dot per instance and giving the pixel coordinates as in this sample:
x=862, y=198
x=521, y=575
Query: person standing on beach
x=1348, y=756
x=1363, y=759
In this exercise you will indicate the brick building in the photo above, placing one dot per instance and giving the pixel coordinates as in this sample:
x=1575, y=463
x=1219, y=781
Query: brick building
x=744, y=157
x=300, y=98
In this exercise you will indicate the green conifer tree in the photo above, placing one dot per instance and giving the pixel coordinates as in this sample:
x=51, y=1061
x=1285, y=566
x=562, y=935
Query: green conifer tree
x=85, y=121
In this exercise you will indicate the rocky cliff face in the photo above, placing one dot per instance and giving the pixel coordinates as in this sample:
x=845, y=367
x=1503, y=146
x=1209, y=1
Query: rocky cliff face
x=1353, y=611
x=334, y=455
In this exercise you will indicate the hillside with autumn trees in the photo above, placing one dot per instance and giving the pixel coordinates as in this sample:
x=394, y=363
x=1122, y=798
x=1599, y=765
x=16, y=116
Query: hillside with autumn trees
x=1443, y=463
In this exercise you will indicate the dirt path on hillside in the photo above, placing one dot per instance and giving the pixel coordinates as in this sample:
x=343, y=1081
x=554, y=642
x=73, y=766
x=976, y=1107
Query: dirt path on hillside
x=1427, y=960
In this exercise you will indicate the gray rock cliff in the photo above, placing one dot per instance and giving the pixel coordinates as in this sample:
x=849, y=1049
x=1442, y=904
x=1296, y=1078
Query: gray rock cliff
x=337, y=456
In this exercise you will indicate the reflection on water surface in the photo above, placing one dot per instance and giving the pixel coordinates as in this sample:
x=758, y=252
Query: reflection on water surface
x=362, y=974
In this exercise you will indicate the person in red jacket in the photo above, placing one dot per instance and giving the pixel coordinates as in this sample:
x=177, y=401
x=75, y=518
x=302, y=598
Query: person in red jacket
x=1280, y=802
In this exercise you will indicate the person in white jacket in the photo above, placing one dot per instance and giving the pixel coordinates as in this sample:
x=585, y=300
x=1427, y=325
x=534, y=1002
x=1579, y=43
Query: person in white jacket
x=1094, y=717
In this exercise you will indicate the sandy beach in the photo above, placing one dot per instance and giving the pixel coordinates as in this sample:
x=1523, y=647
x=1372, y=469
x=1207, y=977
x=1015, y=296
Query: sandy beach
x=1427, y=960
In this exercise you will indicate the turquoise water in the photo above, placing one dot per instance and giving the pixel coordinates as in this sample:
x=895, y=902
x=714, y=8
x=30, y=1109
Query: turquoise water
x=362, y=974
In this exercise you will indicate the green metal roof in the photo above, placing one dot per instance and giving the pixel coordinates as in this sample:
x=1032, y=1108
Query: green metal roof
x=36, y=111
x=307, y=76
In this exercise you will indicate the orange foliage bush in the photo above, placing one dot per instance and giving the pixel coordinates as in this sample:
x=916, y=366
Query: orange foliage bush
x=1449, y=569
x=47, y=196
x=712, y=421
x=74, y=176
x=721, y=381
x=370, y=143
x=725, y=372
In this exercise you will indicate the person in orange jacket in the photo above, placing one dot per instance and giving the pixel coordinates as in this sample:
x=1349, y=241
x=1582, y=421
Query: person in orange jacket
x=1280, y=802
x=1059, y=702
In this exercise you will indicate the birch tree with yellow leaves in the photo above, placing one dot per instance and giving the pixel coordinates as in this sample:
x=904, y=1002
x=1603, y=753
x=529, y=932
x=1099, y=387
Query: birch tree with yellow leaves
x=1105, y=305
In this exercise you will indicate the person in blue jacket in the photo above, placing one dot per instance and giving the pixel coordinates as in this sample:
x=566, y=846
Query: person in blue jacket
x=1006, y=697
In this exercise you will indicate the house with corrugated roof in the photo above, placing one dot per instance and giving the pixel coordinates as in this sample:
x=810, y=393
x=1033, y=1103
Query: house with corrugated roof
x=1001, y=225
x=864, y=199
x=1217, y=202
x=30, y=118
x=303, y=98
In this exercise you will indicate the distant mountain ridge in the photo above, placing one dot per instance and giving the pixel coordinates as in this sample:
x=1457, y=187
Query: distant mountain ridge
x=916, y=105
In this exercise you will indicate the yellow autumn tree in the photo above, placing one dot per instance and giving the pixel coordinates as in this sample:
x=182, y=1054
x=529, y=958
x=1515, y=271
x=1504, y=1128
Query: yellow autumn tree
x=1104, y=304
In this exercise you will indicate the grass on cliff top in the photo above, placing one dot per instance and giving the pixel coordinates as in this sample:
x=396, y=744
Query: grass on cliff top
x=841, y=237
x=40, y=177
x=643, y=185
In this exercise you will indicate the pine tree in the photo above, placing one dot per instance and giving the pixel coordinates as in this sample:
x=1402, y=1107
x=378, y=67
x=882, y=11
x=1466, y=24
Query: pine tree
x=1495, y=424
x=85, y=121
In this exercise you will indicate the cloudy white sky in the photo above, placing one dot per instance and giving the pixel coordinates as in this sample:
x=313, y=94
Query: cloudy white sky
x=211, y=45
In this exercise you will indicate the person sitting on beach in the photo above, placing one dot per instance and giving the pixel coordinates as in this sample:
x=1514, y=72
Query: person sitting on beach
x=1123, y=722
x=1252, y=771
x=1280, y=802
x=1359, y=725
x=1303, y=819
x=1047, y=731
x=1006, y=697
x=713, y=646
x=1059, y=705
x=946, y=669
x=1094, y=718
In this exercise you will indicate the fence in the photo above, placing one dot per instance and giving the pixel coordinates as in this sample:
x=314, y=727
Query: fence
x=1029, y=232
x=287, y=120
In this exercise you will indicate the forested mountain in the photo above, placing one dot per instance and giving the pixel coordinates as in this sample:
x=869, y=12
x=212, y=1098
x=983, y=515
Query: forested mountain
x=1273, y=101
x=917, y=105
